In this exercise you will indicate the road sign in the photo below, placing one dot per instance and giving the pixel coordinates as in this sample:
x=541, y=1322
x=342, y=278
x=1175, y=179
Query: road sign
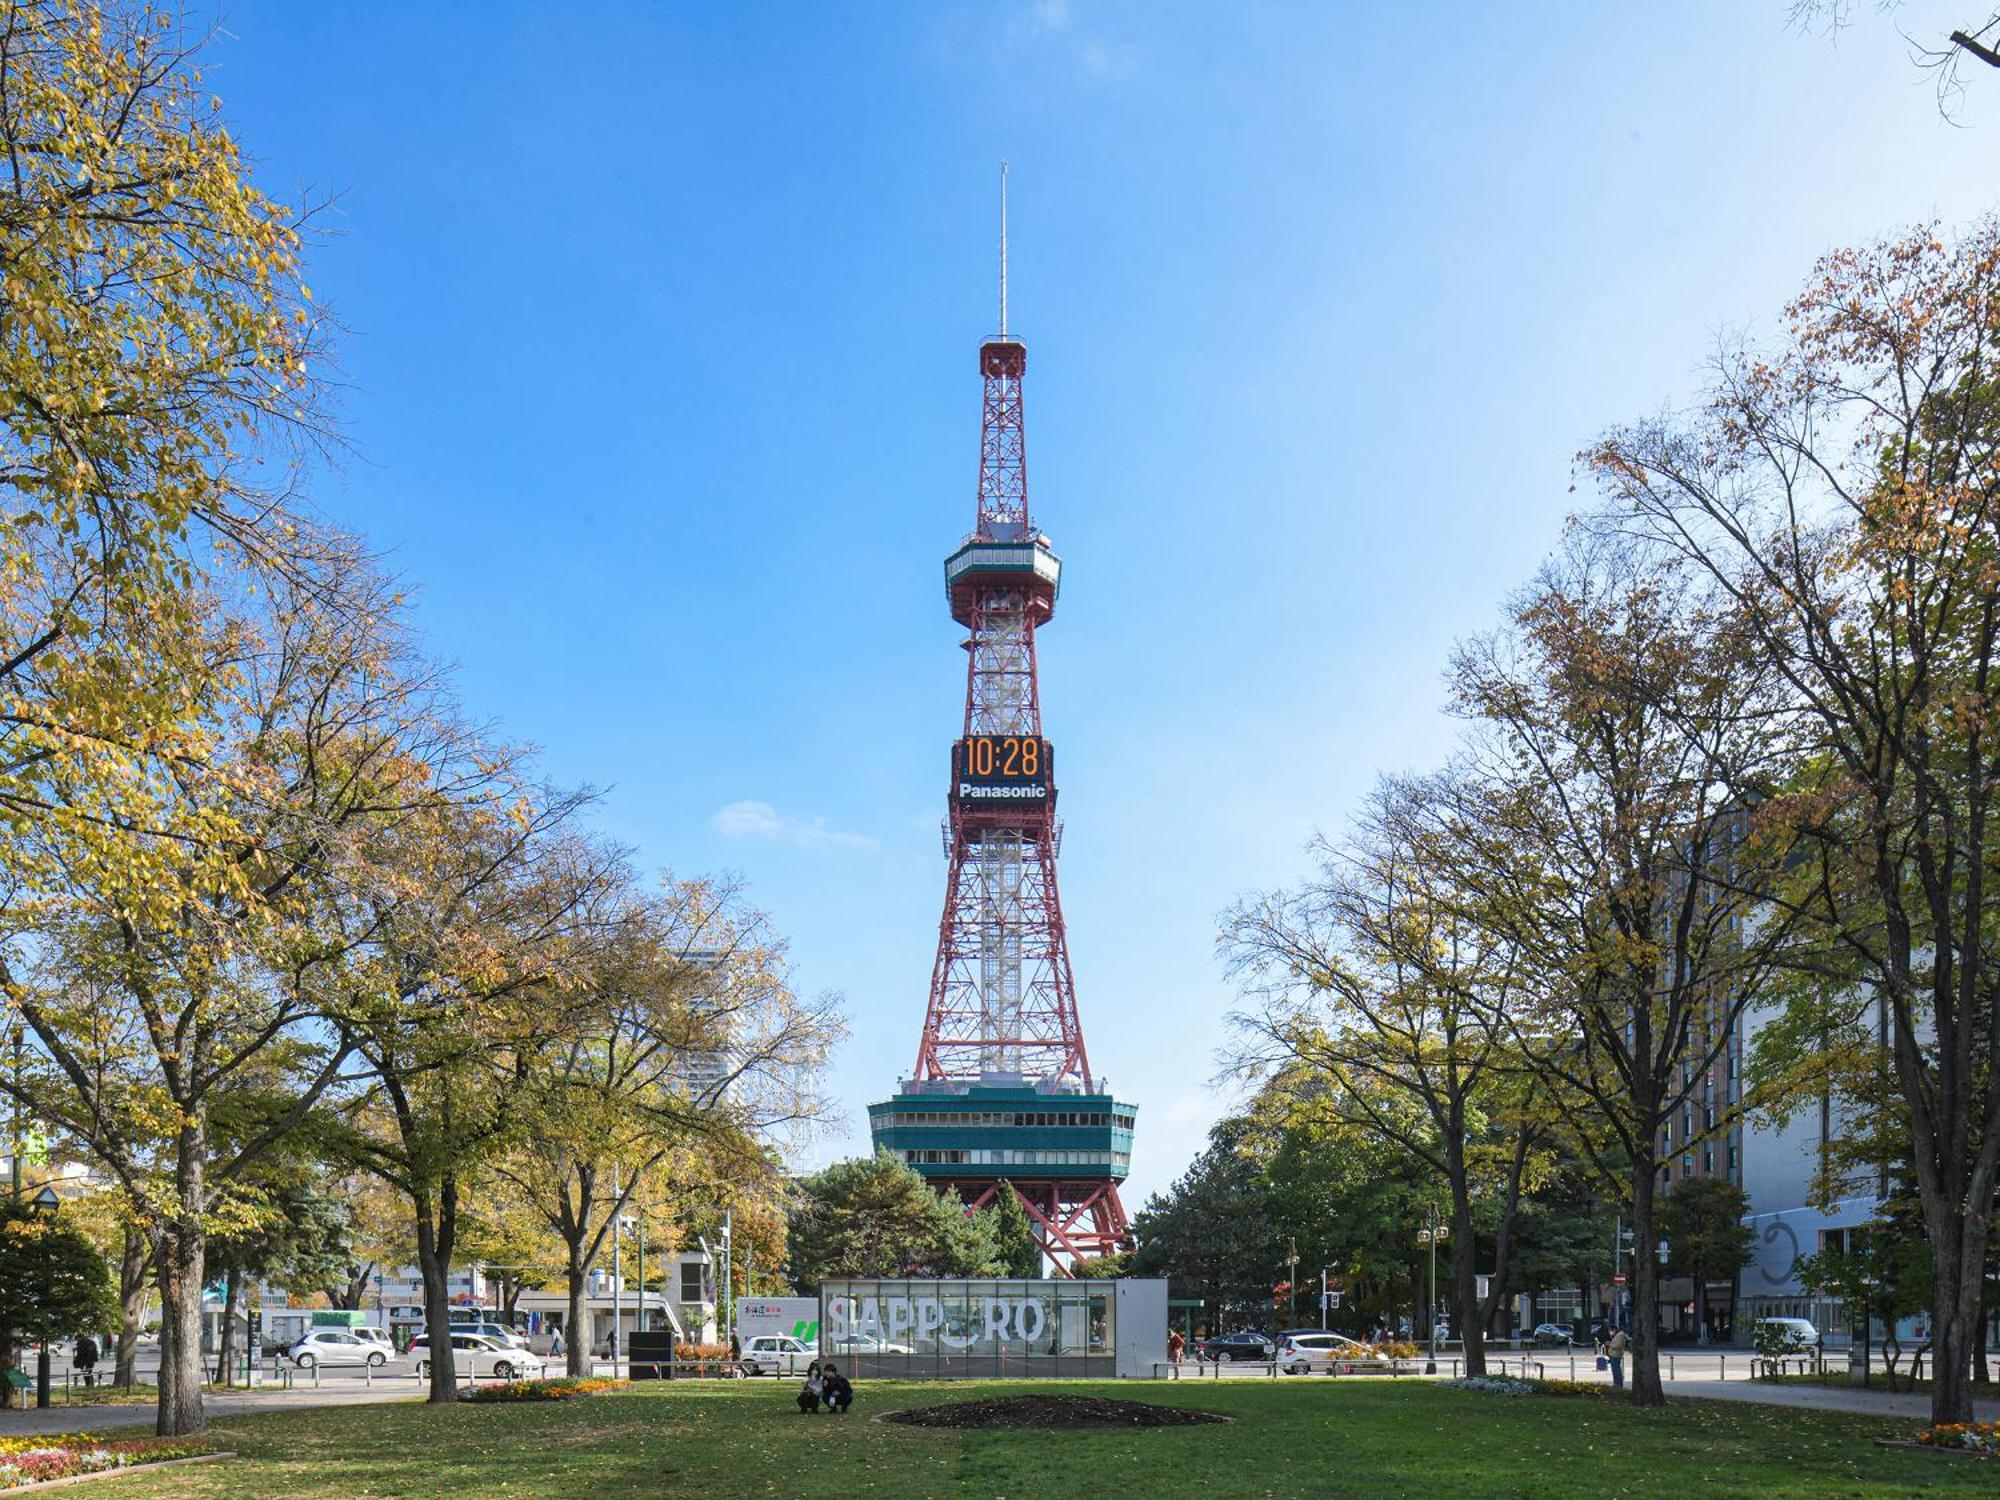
x=1619, y=1279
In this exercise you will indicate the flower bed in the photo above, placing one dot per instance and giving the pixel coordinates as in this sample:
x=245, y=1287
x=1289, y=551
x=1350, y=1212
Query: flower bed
x=1513, y=1385
x=32, y=1460
x=540, y=1390
x=1493, y=1385
x=1964, y=1437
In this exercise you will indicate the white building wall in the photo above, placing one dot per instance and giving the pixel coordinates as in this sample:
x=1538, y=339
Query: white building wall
x=1140, y=1318
x=1779, y=1164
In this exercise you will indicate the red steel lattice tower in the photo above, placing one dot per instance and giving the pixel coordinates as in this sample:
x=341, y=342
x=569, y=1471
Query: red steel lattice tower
x=1002, y=1091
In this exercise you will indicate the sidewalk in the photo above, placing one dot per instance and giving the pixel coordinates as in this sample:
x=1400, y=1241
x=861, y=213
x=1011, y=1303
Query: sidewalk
x=1912, y=1404
x=32, y=1423
x=342, y=1391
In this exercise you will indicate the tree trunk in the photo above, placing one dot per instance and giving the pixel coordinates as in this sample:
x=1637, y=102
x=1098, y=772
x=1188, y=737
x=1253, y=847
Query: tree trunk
x=135, y=1260
x=577, y=1339
x=181, y=1269
x=1646, y=1387
x=6, y=1363
x=182, y=1254
x=1503, y=1237
x=1465, y=1276
x=348, y=1293
x=1700, y=1273
x=226, y=1345
x=437, y=1230
x=1955, y=1303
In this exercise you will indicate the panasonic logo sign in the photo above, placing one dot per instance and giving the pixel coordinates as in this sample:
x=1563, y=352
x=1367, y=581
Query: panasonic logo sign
x=1014, y=793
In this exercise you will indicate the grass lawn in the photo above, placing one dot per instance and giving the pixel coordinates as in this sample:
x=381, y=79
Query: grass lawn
x=1291, y=1438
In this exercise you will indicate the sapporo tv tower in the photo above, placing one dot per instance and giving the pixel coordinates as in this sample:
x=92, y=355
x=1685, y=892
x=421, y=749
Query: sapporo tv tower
x=1002, y=1095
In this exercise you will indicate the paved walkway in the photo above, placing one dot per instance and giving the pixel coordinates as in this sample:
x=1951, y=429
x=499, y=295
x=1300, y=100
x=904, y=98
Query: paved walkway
x=1822, y=1397
x=17, y=1423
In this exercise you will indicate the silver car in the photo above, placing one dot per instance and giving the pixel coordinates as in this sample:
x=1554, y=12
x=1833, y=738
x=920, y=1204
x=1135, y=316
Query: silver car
x=336, y=1346
x=487, y=1359
x=1302, y=1353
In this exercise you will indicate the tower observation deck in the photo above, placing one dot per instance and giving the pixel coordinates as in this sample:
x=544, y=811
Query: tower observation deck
x=1002, y=1096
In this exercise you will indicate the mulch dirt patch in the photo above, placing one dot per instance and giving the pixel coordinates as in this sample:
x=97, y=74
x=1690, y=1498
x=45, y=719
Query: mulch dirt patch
x=1051, y=1411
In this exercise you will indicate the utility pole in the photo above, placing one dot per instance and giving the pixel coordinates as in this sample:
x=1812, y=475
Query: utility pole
x=617, y=1272
x=727, y=1310
x=1292, y=1283
x=639, y=1304
x=1322, y=1298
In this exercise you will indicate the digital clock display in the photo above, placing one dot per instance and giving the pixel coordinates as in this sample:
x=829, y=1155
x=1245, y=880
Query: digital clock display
x=1001, y=768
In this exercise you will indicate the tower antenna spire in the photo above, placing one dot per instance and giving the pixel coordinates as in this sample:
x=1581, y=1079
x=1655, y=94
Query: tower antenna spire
x=1003, y=247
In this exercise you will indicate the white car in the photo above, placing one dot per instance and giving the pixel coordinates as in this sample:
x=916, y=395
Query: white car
x=1798, y=1331
x=488, y=1359
x=337, y=1346
x=1302, y=1353
x=498, y=1332
x=776, y=1354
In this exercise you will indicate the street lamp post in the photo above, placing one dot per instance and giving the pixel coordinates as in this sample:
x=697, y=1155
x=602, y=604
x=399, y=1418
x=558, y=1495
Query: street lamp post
x=44, y=1204
x=1431, y=1367
x=1429, y=1235
x=617, y=1275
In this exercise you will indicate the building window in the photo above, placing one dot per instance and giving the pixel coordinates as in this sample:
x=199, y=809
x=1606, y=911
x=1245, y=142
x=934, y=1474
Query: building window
x=691, y=1281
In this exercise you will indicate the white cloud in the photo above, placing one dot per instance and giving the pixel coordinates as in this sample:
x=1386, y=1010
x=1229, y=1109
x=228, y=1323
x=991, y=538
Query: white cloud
x=760, y=820
x=1103, y=60
x=1038, y=18
x=1047, y=23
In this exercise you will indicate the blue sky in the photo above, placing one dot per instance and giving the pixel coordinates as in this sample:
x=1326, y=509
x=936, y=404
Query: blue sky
x=662, y=388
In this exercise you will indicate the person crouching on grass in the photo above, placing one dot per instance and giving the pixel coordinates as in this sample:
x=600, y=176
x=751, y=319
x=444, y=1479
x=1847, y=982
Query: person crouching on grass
x=838, y=1394
x=810, y=1392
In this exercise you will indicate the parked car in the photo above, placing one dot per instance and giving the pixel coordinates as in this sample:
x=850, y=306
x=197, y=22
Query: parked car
x=337, y=1346
x=500, y=1333
x=486, y=1358
x=1798, y=1332
x=776, y=1354
x=1302, y=1353
x=1552, y=1333
x=1236, y=1346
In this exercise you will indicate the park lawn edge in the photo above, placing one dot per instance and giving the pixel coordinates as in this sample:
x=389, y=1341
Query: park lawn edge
x=119, y=1473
